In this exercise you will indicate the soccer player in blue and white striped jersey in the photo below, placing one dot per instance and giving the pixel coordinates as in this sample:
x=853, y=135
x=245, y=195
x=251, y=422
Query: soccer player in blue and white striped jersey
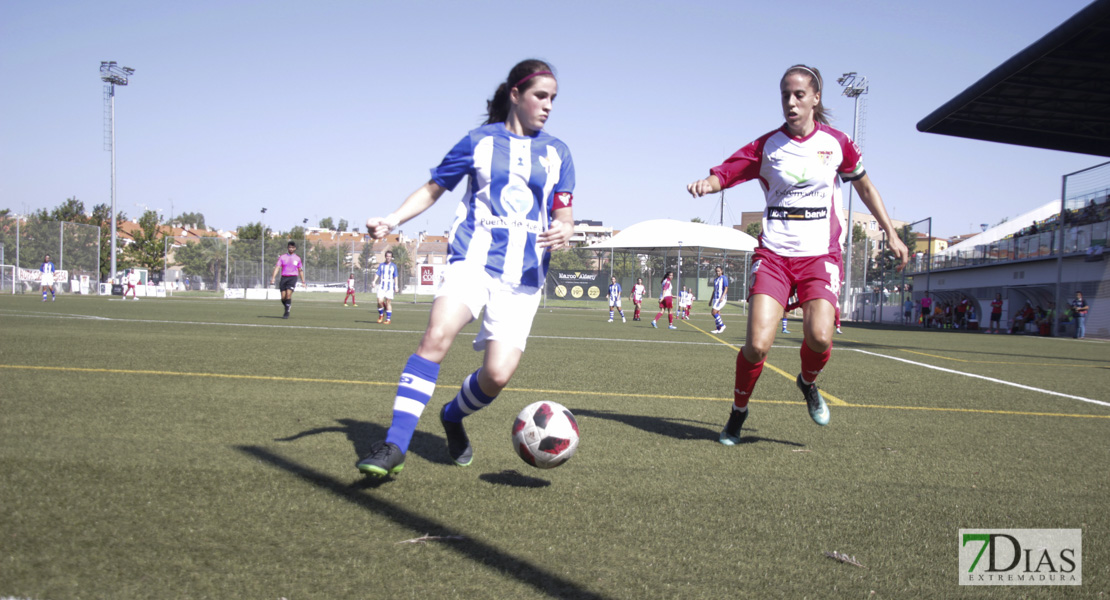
x=615, y=299
x=385, y=279
x=47, y=278
x=720, y=296
x=515, y=208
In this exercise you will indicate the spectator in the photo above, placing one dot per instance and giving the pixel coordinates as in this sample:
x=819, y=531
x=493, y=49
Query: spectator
x=1025, y=315
x=1044, y=319
x=996, y=314
x=1079, y=308
x=961, y=313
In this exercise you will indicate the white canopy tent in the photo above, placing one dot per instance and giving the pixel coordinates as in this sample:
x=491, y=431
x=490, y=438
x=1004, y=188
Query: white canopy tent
x=668, y=234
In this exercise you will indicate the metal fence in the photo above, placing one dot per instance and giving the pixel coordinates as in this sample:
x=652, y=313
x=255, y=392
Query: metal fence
x=694, y=268
x=216, y=262
x=73, y=248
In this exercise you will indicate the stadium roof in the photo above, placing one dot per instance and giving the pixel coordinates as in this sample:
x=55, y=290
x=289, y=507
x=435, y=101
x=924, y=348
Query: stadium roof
x=667, y=234
x=1051, y=95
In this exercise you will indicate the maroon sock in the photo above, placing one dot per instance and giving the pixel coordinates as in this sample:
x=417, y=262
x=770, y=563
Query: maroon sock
x=813, y=362
x=746, y=376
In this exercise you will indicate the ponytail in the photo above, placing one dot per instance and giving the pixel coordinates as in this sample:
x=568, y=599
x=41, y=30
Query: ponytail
x=520, y=77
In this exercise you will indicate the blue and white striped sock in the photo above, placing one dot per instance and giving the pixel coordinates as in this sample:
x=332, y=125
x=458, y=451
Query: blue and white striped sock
x=610, y=314
x=417, y=384
x=388, y=315
x=470, y=398
x=720, y=322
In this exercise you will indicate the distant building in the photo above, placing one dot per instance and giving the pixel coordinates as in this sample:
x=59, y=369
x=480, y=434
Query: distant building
x=929, y=245
x=590, y=232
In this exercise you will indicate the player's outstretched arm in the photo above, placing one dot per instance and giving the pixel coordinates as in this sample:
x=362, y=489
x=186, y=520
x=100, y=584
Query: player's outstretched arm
x=869, y=194
x=561, y=230
x=701, y=187
x=417, y=202
x=273, y=276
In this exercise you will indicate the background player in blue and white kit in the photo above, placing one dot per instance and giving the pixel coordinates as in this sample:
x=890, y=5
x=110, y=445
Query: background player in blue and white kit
x=614, y=296
x=800, y=166
x=46, y=278
x=720, y=296
x=516, y=207
x=385, y=279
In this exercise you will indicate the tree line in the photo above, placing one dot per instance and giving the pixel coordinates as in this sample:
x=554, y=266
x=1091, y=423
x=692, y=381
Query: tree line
x=256, y=250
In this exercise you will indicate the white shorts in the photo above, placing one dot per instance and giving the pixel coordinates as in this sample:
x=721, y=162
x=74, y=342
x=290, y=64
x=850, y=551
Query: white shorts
x=47, y=281
x=615, y=302
x=719, y=304
x=509, y=309
x=385, y=294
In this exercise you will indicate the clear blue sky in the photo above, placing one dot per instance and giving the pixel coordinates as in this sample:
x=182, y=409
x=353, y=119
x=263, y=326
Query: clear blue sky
x=339, y=108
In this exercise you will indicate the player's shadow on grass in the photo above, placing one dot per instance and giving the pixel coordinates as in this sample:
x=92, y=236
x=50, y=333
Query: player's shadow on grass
x=675, y=428
x=363, y=434
x=508, y=565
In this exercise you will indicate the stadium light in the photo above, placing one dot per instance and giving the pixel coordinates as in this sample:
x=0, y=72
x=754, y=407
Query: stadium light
x=112, y=75
x=855, y=85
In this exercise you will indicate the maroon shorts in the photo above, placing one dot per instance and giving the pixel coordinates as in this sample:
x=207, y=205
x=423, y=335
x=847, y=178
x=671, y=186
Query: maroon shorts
x=667, y=302
x=810, y=277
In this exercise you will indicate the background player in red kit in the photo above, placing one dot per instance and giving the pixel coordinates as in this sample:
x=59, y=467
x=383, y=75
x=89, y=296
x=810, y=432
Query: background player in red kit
x=800, y=167
x=637, y=297
x=666, y=301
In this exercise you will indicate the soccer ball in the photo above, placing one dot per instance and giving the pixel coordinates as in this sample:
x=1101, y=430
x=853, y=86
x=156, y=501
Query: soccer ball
x=545, y=434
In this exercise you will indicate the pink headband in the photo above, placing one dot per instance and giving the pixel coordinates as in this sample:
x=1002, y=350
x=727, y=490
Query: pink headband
x=527, y=77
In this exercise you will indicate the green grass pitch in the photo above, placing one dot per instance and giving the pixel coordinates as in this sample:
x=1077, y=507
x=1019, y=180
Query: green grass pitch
x=201, y=448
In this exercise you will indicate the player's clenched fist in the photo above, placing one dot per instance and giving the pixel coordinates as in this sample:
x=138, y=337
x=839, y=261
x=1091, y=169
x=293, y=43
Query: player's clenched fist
x=379, y=227
x=701, y=187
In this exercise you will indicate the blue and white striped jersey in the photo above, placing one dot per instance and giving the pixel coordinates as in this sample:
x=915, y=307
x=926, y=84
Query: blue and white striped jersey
x=387, y=277
x=47, y=268
x=719, y=287
x=512, y=183
x=614, y=290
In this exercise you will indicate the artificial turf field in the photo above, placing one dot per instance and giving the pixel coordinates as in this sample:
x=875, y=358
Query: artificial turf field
x=200, y=448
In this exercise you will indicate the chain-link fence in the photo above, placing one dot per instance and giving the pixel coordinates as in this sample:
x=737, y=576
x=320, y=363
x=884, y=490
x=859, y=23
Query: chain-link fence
x=74, y=248
x=216, y=263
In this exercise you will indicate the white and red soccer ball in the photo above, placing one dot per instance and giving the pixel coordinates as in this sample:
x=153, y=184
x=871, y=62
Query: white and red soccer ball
x=545, y=434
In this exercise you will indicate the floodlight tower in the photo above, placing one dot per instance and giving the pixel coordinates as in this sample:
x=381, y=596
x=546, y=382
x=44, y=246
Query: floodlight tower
x=112, y=75
x=855, y=85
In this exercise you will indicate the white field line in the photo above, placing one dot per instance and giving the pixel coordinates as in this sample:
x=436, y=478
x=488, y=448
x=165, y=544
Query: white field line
x=350, y=329
x=555, y=337
x=990, y=379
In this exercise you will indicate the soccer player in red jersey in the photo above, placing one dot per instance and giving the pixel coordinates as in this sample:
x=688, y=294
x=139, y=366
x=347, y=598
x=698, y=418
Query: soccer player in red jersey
x=996, y=314
x=666, y=301
x=800, y=167
x=637, y=297
x=350, y=291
